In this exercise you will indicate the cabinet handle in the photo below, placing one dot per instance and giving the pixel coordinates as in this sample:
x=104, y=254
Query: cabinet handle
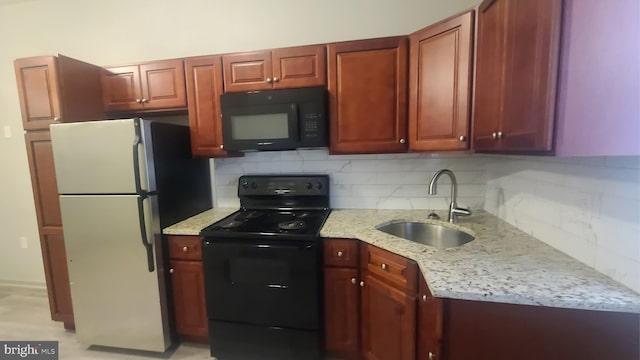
x=424, y=297
x=402, y=141
x=494, y=135
x=499, y=134
x=221, y=146
x=269, y=80
x=462, y=138
x=56, y=119
x=144, y=101
x=340, y=253
x=361, y=283
x=275, y=79
x=432, y=356
x=138, y=101
x=353, y=280
x=384, y=266
x=170, y=271
x=185, y=249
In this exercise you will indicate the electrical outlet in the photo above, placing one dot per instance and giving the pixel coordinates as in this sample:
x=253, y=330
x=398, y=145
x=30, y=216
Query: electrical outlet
x=23, y=242
x=7, y=131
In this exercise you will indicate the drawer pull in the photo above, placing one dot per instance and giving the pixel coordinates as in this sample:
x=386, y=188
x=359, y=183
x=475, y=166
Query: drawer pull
x=185, y=249
x=353, y=280
x=361, y=283
x=384, y=266
x=340, y=253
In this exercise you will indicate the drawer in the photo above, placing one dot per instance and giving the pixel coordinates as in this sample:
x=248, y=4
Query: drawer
x=394, y=269
x=184, y=247
x=341, y=252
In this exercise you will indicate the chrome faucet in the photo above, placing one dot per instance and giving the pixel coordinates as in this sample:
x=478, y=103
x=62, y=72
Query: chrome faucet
x=454, y=210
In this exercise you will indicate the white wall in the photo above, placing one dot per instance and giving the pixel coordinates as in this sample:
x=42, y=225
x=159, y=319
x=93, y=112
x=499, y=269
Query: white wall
x=124, y=31
x=386, y=181
x=588, y=208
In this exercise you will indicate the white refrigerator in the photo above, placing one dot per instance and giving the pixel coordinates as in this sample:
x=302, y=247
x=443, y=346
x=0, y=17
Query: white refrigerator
x=120, y=182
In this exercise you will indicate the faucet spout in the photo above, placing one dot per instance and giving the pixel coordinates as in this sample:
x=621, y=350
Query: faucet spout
x=454, y=210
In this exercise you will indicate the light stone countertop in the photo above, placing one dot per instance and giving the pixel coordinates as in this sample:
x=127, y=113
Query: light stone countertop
x=503, y=264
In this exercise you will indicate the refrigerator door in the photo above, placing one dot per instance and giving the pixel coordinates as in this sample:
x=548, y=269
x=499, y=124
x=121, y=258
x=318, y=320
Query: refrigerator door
x=117, y=301
x=103, y=157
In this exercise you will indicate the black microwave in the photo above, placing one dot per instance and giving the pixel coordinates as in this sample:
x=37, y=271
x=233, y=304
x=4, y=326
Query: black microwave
x=284, y=119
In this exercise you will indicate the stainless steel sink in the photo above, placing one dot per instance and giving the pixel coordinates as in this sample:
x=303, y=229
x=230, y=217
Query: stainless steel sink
x=429, y=234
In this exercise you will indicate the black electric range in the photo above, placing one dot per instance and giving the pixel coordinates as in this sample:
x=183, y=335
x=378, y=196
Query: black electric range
x=262, y=269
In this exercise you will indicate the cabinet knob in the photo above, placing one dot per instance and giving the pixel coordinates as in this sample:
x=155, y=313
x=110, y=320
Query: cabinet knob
x=424, y=297
x=432, y=356
x=462, y=138
x=353, y=280
x=361, y=283
x=144, y=101
x=340, y=253
x=56, y=119
x=185, y=249
x=275, y=79
x=269, y=80
x=170, y=271
x=402, y=141
x=221, y=146
x=138, y=101
x=494, y=135
x=384, y=266
x=499, y=134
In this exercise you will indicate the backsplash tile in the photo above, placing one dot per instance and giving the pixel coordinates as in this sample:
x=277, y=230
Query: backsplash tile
x=587, y=207
x=384, y=181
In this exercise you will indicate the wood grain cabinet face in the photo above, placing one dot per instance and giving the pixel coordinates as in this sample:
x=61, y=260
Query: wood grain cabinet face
x=440, y=67
x=302, y=66
x=38, y=91
x=517, y=70
x=367, y=83
x=204, y=87
x=158, y=85
x=187, y=284
x=429, y=324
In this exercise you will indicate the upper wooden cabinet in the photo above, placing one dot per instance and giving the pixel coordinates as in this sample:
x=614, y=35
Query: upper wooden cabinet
x=367, y=82
x=516, y=74
x=57, y=89
x=302, y=66
x=440, y=67
x=204, y=87
x=158, y=85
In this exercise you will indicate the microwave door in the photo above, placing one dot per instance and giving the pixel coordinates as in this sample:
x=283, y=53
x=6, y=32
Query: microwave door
x=261, y=127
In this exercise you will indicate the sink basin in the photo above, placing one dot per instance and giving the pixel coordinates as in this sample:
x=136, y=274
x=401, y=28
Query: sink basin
x=429, y=234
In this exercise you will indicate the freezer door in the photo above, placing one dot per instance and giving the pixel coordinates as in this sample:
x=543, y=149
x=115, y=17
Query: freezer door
x=117, y=301
x=103, y=157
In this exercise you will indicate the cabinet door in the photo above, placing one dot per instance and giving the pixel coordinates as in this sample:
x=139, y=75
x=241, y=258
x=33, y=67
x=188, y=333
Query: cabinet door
x=367, y=83
x=247, y=71
x=341, y=307
x=43, y=179
x=440, y=80
x=429, y=324
x=121, y=88
x=388, y=322
x=187, y=282
x=490, y=74
x=299, y=67
x=163, y=85
x=531, y=75
x=38, y=90
x=204, y=87
x=56, y=273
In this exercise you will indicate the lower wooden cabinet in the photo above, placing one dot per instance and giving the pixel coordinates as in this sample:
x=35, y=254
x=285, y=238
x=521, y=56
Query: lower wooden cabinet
x=429, y=324
x=187, y=284
x=341, y=318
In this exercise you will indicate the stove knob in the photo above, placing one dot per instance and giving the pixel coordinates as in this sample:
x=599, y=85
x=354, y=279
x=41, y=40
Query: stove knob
x=309, y=186
x=254, y=185
x=245, y=184
x=319, y=186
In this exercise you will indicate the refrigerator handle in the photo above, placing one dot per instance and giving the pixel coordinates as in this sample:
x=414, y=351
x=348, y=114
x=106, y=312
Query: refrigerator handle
x=143, y=233
x=136, y=159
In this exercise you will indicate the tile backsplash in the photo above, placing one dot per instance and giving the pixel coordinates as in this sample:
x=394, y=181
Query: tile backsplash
x=385, y=181
x=588, y=208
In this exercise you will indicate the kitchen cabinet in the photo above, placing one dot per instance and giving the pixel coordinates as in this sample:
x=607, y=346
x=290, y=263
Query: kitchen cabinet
x=440, y=68
x=158, y=85
x=429, y=323
x=57, y=89
x=388, y=314
x=187, y=284
x=367, y=82
x=204, y=87
x=341, y=298
x=516, y=75
x=302, y=66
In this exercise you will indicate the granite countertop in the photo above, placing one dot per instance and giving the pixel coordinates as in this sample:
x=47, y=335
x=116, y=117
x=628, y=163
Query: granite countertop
x=502, y=264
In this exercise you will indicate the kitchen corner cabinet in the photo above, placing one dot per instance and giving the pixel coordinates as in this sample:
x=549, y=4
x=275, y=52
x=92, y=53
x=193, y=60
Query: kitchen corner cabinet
x=302, y=66
x=367, y=82
x=440, y=68
x=55, y=89
x=516, y=75
x=187, y=284
x=204, y=87
x=45, y=194
x=158, y=85
x=429, y=323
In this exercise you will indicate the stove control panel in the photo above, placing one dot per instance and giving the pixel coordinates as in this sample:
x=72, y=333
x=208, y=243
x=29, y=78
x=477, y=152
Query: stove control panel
x=283, y=185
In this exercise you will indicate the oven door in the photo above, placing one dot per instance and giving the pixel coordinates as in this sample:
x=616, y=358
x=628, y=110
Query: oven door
x=263, y=282
x=260, y=127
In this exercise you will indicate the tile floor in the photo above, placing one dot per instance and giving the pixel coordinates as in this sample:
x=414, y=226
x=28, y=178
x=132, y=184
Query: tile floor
x=24, y=315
